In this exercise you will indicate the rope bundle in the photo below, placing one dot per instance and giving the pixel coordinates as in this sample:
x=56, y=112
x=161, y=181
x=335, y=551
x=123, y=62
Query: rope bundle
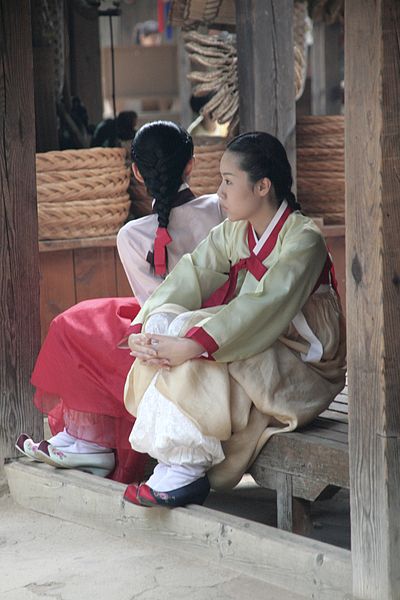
x=81, y=193
x=216, y=57
x=320, y=167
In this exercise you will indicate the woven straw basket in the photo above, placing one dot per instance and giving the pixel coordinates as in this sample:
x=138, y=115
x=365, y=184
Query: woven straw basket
x=81, y=193
x=206, y=177
x=320, y=167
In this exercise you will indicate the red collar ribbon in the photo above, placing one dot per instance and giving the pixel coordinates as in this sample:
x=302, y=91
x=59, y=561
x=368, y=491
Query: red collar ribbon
x=253, y=264
x=161, y=241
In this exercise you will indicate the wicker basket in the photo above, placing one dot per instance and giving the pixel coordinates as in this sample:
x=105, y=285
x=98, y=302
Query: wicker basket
x=93, y=158
x=82, y=218
x=82, y=193
x=320, y=167
x=206, y=177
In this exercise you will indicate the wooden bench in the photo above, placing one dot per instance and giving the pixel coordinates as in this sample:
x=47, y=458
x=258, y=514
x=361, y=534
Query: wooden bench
x=307, y=465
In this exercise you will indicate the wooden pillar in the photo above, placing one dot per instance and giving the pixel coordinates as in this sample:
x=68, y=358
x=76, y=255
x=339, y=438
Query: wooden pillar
x=266, y=69
x=85, y=63
x=372, y=133
x=325, y=70
x=19, y=255
x=185, y=87
x=45, y=100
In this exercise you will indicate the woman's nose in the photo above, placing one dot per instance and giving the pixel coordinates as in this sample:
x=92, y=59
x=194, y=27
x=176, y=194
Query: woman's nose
x=220, y=192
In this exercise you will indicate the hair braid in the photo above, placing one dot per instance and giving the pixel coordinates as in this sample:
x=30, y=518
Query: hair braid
x=161, y=151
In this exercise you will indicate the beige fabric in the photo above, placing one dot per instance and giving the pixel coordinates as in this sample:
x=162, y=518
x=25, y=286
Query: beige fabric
x=244, y=402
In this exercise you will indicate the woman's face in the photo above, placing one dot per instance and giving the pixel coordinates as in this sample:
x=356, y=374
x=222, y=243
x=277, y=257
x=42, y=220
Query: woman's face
x=240, y=198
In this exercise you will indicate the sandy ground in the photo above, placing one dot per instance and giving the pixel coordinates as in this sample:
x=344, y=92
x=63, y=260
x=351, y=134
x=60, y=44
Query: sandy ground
x=43, y=557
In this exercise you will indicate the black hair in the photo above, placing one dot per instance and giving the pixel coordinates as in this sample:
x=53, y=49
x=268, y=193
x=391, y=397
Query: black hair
x=161, y=150
x=197, y=102
x=126, y=121
x=263, y=155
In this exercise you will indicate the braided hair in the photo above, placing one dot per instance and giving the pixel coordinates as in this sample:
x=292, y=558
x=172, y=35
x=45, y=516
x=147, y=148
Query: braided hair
x=161, y=150
x=262, y=155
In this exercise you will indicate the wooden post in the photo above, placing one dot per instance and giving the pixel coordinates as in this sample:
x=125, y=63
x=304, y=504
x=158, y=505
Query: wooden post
x=185, y=87
x=85, y=61
x=45, y=100
x=325, y=70
x=372, y=103
x=19, y=255
x=266, y=69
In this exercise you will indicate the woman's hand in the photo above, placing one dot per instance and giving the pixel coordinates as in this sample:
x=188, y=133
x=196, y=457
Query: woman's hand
x=163, y=351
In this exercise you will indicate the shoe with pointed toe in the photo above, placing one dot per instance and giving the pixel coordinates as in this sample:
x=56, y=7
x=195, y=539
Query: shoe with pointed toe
x=193, y=493
x=131, y=494
x=100, y=464
x=27, y=446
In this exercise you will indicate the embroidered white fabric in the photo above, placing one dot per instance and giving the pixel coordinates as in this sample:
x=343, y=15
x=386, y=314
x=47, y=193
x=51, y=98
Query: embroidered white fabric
x=161, y=429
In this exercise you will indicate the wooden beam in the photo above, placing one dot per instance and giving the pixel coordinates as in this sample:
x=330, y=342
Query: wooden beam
x=325, y=70
x=372, y=135
x=266, y=69
x=19, y=255
x=302, y=566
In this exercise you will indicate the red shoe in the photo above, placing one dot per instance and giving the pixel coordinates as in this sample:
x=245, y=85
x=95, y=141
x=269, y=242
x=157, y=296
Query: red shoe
x=193, y=493
x=131, y=494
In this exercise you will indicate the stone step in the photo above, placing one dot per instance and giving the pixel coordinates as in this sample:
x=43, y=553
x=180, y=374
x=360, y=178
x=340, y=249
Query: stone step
x=311, y=568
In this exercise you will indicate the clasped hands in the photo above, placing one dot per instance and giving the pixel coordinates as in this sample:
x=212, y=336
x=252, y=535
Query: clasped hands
x=163, y=351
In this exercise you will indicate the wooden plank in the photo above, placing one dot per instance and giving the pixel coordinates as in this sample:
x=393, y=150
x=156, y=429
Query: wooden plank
x=57, y=286
x=19, y=258
x=94, y=273
x=338, y=416
x=266, y=69
x=372, y=142
x=108, y=241
x=301, y=455
x=302, y=486
x=328, y=424
x=295, y=563
x=123, y=287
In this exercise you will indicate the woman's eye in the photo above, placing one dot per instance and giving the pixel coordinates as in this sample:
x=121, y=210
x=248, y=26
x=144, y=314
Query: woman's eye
x=228, y=182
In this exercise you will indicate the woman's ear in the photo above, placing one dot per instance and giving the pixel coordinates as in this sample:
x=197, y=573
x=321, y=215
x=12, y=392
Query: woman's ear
x=189, y=168
x=263, y=186
x=136, y=173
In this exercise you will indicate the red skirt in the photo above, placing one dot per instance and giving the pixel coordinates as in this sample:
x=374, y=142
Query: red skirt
x=80, y=375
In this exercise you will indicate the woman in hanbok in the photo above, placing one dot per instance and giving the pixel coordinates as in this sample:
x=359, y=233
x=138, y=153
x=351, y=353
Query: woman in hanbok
x=244, y=338
x=82, y=367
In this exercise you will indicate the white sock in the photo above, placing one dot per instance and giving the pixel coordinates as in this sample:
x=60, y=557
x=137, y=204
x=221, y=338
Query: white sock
x=62, y=439
x=172, y=477
x=158, y=474
x=71, y=444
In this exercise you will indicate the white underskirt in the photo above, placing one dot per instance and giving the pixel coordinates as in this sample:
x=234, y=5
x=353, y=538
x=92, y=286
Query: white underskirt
x=161, y=429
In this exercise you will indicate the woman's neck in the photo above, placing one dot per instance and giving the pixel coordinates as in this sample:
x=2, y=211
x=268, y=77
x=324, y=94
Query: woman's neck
x=262, y=218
